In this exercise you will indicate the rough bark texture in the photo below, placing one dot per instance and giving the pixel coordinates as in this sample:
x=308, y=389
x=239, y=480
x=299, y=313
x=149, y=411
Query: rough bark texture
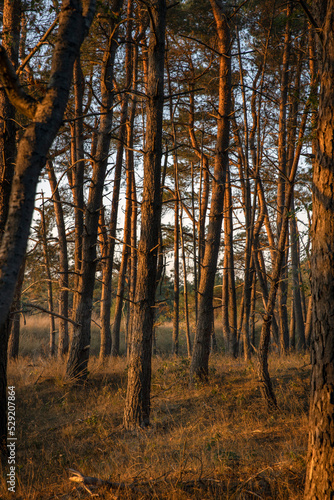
x=320, y=471
x=137, y=404
x=201, y=349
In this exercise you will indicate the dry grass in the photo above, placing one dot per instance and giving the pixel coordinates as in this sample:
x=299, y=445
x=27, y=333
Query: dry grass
x=214, y=440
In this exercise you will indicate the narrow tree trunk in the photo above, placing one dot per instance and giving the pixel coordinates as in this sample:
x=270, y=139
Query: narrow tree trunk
x=201, y=349
x=14, y=339
x=308, y=324
x=281, y=183
x=298, y=312
x=63, y=337
x=185, y=287
x=79, y=352
x=109, y=243
x=137, y=404
x=176, y=300
x=123, y=268
x=52, y=342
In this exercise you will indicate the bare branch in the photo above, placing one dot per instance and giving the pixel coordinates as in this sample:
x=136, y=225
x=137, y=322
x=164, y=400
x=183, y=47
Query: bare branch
x=40, y=308
x=34, y=50
x=23, y=102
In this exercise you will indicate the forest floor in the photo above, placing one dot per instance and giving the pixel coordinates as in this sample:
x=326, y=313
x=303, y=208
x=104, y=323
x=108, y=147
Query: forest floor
x=215, y=440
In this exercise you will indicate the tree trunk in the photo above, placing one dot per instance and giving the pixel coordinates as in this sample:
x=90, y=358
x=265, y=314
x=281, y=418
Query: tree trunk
x=109, y=243
x=79, y=352
x=185, y=287
x=63, y=338
x=137, y=404
x=320, y=469
x=115, y=338
x=281, y=183
x=200, y=358
x=14, y=339
x=297, y=302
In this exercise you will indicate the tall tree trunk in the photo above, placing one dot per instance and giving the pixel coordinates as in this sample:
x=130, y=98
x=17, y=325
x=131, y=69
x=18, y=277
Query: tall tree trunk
x=281, y=183
x=320, y=468
x=79, y=353
x=109, y=243
x=76, y=176
x=137, y=404
x=63, y=337
x=185, y=287
x=115, y=338
x=229, y=300
x=176, y=300
x=298, y=312
x=200, y=358
x=52, y=341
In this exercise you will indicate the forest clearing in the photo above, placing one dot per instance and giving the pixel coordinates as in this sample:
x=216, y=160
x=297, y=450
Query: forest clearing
x=215, y=440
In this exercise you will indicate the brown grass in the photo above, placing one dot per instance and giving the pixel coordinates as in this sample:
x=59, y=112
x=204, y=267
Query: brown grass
x=213, y=440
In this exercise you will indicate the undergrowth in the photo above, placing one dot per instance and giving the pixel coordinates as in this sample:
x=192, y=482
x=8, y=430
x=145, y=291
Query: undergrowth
x=213, y=440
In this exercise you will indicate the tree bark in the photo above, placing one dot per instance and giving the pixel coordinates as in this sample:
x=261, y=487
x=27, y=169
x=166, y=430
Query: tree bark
x=320, y=468
x=200, y=358
x=79, y=353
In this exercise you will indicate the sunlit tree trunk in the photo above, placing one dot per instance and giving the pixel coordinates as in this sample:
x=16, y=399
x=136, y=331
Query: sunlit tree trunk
x=137, y=404
x=79, y=352
x=281, y=183
x=200, y=358
x=320, y=466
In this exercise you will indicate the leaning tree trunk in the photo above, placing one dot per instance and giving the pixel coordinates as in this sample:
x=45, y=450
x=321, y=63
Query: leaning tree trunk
x=320, y=469
x=137, y=404
x=200, y=358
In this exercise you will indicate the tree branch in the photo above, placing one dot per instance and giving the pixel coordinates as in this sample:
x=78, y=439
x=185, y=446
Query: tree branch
x=23, y=102
x=42, y=40
x=40, y=308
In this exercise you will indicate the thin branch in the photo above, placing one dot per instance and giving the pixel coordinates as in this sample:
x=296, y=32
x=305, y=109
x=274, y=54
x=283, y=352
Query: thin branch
x=42, y=40
x=40, y=308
